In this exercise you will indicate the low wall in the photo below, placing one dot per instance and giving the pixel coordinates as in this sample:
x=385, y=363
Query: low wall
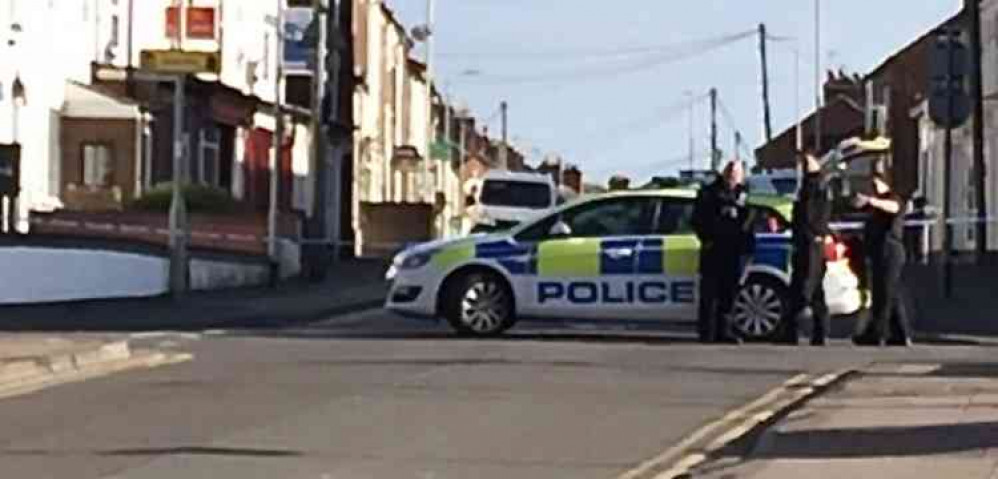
x=59, y=272
x=37, y=275
x=244, y=233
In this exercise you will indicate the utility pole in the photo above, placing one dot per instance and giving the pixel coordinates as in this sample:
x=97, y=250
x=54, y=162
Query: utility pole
x=445, y=221
x=338, y=134
x=462, y=151
x=503, y=158
x=767, y=121
x=714, y=159
x=430, y=130
x=738, y=146
x=178, y=206
x=947, y=180
x=318, y=232
x=977, y=96
x=797, y=114
x=691, y=127
x=278, y=143
x=817, y=77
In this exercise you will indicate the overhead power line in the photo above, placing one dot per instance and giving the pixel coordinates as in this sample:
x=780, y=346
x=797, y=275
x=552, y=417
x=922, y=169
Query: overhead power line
x=645, y=62
x=597, y=53
x=729, y=119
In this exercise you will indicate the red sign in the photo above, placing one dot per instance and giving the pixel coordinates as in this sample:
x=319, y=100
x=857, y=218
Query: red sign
x=200, y=22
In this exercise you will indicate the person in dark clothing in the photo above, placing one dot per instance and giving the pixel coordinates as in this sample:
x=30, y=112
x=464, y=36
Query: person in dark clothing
x=722, y=224
x=884, y=237
x=811, y=214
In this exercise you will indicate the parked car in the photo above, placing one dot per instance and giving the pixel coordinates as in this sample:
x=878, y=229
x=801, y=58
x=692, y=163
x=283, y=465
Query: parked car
x=624, y=256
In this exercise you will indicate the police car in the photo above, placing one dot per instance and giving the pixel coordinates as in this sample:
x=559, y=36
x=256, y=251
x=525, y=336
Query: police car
x=622, y=256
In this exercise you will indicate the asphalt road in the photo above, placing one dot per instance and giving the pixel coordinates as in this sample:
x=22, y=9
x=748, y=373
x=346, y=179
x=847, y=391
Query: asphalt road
x=373, y=396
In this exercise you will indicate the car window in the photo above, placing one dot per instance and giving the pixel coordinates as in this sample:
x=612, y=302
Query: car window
x=675, y=217
x=518, y=194
x=785, y=186
x=766, y=220
x=608, y=217
x=762, y=185
x=614, y=217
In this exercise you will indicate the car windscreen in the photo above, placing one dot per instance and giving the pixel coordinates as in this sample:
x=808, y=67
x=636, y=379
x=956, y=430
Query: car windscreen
x=516, y=194
x=785, y=186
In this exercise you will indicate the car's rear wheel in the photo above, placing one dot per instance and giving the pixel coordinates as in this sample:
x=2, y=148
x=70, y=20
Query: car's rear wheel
x=759, y=308
x=479, y=304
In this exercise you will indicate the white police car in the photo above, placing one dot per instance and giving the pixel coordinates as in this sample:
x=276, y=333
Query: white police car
x=622, y=256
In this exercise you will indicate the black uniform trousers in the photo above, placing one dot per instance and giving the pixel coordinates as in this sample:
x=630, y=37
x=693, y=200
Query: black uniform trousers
x=888, y=315
x=720, y=272
x=807, y=291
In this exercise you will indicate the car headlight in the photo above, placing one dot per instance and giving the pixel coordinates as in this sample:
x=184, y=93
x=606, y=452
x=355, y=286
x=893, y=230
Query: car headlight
x=414, y=260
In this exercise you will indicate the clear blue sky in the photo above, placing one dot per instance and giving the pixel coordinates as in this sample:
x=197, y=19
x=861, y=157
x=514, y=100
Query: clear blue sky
x=602, y=83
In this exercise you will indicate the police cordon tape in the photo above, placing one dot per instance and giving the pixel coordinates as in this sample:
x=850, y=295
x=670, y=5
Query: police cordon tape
x=858, y=225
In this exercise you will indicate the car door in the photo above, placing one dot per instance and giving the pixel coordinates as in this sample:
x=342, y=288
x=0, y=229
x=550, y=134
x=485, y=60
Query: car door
x=584, y=271
x=668, y=264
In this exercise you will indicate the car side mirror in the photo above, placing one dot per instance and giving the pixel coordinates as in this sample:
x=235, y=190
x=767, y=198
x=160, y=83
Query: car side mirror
x=560, y=229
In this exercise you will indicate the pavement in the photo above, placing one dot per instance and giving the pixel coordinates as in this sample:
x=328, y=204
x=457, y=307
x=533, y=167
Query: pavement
x=351, y=286
x=972, y=310
x=31, y=362
x=889, y=421
x=370, y=395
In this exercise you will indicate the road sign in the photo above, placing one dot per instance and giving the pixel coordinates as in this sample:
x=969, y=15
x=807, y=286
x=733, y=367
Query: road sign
x=299, y=42
x=949, y=98
x=181, y=62
x=10, y=162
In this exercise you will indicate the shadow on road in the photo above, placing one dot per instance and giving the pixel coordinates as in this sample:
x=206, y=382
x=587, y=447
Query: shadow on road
x=446, y=335
x=159, y=451
x=882, y=441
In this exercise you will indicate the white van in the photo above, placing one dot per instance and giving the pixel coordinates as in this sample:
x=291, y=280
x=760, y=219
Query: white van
x=505, y=199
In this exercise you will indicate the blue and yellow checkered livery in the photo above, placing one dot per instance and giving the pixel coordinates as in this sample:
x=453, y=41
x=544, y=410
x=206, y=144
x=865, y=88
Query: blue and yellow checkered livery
x=592, y=257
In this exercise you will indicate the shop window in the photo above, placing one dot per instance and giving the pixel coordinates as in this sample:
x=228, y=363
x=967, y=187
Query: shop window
x=98, y=165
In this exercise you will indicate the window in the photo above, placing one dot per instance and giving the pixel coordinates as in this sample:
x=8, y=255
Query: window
x=675, y=217
x=98, y=161
x=766, y=220
x=614, y=217
x=609, y=217
x=115, y=34
x=516, y=194
x=208, y=156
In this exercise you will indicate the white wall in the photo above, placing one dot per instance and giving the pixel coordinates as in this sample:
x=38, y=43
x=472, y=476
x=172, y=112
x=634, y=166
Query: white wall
x=32, y=275
x=35, y=275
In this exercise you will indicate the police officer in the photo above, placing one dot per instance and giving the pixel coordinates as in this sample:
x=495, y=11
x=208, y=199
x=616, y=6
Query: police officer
x=722, y=225
x=883, y=235
x=812, y=211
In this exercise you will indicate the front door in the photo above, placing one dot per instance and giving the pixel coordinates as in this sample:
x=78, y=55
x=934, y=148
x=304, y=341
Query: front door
x=590, y=269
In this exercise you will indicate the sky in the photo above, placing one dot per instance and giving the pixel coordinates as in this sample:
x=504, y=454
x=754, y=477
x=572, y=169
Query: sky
x=607, y=85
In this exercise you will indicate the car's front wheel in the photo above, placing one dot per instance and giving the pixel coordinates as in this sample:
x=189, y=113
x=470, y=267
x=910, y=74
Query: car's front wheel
x=759, y=308
x=479, y=304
